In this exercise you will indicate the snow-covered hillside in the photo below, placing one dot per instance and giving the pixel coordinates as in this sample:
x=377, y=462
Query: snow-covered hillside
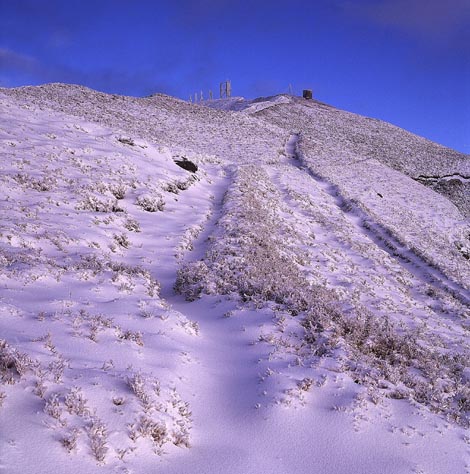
x=268, y=286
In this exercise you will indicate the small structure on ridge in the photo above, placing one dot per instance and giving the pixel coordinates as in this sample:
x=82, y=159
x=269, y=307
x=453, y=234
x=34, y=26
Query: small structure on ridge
x=225, y=89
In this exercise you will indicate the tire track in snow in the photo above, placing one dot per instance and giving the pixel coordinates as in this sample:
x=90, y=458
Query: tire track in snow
x=223, y=378
x=378, y=234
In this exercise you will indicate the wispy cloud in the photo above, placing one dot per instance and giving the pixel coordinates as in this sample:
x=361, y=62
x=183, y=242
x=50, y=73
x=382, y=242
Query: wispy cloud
x=17, y=68
x=430, y=19
x=21, y=68
x=11, y=60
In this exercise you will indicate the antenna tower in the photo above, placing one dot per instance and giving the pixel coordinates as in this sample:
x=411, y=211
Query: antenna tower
x=225, y=89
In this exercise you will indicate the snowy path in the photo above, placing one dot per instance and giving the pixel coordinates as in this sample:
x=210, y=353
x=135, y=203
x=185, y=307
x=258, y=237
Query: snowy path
x=236, y=431
x=231, y=435
x=222, y=380
x=380, y=236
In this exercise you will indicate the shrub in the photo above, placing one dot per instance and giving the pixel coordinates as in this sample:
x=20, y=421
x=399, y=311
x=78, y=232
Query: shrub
x=98, y=436
x=151, y=203
x=13, y=364
x=75, y=403
x=95, y=204
x=118, y=191
x=122, y=240
x=132, y=225
x=156, y=431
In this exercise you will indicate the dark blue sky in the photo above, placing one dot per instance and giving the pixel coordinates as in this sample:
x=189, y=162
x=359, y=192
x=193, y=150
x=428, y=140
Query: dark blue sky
x=404, y=61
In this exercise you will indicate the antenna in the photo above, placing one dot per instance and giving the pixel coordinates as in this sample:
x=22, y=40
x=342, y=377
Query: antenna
x=225, y=89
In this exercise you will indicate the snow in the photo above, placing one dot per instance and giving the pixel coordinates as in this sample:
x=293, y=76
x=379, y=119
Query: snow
x=298, y=304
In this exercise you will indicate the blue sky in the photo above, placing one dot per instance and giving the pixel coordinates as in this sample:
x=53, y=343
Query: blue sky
x=404, y=61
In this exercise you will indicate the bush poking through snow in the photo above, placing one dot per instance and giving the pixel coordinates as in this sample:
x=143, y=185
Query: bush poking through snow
x=2, y=398
x=151, y=203
x=181, y=438
x=95, y=204
x=53, y=409
x=132, y=225
x=122, y=240
x=118, y=191
x=76, y=403
x=192, y=280
x=13, y=364
x=137, y=384
x=133, y=336
x=305, y=384
x=98, y=436
x=156, y=431
x=69, y=442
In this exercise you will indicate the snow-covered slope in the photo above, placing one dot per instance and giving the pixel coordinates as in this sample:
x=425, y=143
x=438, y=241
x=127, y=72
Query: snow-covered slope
x=260, y=288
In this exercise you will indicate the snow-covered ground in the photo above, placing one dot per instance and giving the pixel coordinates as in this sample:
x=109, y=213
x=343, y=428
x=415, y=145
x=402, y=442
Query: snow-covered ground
x=297, y=304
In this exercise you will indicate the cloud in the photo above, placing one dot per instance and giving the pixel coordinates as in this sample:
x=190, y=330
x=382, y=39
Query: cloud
x=18, y=69
x=10, y=60
x=429, y=19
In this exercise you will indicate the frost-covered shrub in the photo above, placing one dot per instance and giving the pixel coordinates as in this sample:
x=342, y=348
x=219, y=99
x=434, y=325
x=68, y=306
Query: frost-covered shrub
x=192, y=280
x=382, y=351
x=305, y=384
x=95, y=204
x=52, y=407
x=2, y=398
x=182, y=185
x=118, y=191
x=40, y=388
x=57, y=367
x=171, y=188
x=138, y=385
x=151, y=203
x=155, y=430
x=122, y=240
x=132, y=225
x=463, y=243
x=13, y=364
x=44, y=184
x=76, y=403
x=98, y=436
x=130, y=272
x=69, y=442
x=181, y=438
x=133, y=336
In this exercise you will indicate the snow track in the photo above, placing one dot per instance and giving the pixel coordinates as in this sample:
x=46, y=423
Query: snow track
x=378, y=234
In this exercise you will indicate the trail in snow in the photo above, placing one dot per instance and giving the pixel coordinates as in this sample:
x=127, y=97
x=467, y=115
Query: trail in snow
x=236, y=431
x=382, y=237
